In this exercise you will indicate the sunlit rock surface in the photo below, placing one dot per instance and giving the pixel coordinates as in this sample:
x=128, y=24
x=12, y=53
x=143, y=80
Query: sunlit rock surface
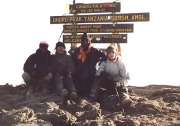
x=154, y=105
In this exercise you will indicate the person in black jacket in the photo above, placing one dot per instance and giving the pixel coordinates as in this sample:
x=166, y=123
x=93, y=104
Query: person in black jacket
x=37, y=70
x=85, y=59
x=62, y=68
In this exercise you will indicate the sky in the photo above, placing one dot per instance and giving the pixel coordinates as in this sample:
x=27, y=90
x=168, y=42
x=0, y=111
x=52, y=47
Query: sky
x=151, y=54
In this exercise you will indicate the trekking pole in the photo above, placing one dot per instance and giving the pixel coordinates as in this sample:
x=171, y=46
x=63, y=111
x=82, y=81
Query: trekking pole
x=60, y=35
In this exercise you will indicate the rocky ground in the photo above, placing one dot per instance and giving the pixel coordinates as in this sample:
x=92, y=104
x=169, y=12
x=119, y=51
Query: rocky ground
x=153, y=106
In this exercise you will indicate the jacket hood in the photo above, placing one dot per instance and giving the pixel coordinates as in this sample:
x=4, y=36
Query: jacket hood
x=39, y=51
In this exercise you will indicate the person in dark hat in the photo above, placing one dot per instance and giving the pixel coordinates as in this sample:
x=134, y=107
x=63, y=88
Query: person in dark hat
x=62, y=67
x=85, y=59
x=37, y=72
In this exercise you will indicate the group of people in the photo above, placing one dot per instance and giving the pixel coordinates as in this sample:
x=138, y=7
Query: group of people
x=76, y=74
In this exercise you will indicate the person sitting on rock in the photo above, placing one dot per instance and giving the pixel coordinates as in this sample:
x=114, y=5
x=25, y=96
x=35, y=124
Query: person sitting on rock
x=111, y=76
x=62, y=67
x=37, y=72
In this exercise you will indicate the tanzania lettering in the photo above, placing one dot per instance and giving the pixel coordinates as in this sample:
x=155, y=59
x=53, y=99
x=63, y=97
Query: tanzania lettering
x=100, y=18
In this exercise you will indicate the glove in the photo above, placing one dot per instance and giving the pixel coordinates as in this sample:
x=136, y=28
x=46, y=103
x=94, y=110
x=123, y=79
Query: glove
x=74, y=94
x=26, y=77
x=48, y=76
x=118, y=84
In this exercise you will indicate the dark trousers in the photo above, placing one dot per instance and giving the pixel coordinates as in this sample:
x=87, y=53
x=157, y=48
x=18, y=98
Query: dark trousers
x=37, y=85
x=63, y=82
x=103, y=87
x=83, y=86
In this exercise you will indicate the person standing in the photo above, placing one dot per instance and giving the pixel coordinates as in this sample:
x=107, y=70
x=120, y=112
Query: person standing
x=85, y=59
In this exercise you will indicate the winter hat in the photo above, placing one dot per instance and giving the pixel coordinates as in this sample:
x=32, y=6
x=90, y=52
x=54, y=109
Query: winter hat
x=110, y=49
x=60, y=44
x=84, y=39
x=43, y=44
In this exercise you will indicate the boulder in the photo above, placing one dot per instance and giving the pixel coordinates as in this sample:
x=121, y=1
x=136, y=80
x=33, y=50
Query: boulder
x=164, y=91
x=12, y=117
x=148, y=107
x=58, y=117
x=96, y=123
x=44, y=107
x=34, y=123
x=172, y=97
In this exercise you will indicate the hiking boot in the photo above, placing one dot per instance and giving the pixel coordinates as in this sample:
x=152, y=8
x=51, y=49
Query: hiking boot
x=78, y=100
x=64, y=92
x=73, y=95
x=29, y=93
x=92, y=97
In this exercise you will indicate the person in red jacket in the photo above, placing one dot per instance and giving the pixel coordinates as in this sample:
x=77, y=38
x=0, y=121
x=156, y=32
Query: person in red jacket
x=37, y=70
x=85, y=59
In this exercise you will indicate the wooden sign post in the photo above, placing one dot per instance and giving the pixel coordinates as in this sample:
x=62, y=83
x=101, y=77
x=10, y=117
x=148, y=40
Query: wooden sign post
x=94, y=7
x=112, y=22
x=130, y=17
x=98, y=28
x=97, y=38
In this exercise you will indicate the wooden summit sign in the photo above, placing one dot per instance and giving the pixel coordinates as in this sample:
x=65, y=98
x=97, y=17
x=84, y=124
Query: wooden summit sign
x=100, y=18
x=97, y=38
x=98, y=28
x=94, y=7
x=106, y=26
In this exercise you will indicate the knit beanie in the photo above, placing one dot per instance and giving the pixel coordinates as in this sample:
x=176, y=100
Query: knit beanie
x=110, y=49
x=60, y=44
x=43, y=44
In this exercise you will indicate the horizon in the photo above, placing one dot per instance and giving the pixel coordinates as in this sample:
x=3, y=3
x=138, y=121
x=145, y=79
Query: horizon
x=151, y=54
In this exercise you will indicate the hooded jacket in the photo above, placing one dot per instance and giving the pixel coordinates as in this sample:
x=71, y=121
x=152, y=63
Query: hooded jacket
x=38, y=64
x=85, y=69
x=113, y=70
